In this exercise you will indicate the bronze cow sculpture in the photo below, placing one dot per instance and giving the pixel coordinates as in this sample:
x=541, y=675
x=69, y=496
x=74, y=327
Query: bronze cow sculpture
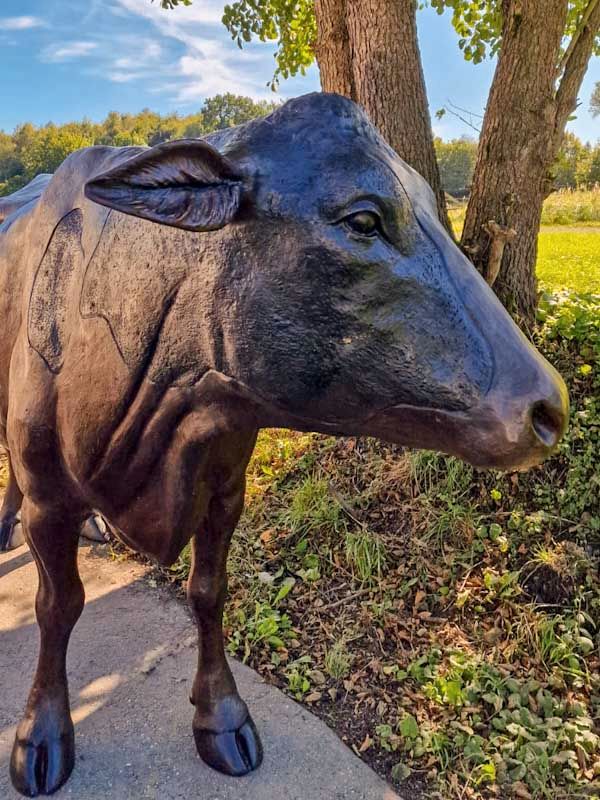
x=162, y=305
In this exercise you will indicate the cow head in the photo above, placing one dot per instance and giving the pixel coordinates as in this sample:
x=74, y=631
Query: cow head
x=349, y=308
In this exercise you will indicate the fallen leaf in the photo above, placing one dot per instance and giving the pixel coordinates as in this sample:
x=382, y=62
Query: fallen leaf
x=419, y=597
x=521, y=790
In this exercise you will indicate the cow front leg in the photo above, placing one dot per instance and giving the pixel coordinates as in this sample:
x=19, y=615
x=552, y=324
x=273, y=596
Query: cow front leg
x=11, y=505
x=225, y=735
x=44, y=752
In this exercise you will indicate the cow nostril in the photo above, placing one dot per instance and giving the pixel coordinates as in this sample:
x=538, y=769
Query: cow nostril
x=547, y=422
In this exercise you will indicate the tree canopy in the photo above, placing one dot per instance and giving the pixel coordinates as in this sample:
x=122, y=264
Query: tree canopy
x=456, y=159
x=478, y=24
x=31, y=150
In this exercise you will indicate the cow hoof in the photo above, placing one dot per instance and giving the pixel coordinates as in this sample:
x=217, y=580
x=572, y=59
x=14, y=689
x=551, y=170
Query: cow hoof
x=234, y=753
x=94, y=529
x=8, y=524
x=41, y=763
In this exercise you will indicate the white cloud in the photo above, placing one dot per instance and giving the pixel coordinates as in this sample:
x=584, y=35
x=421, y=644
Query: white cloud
x=208, y=72
x=207, y=12
x=144, y=52
x=184, y=55
x=211, y=63
x=68, y=51
x=141, y=64
x=20, y=23
x=123, y=77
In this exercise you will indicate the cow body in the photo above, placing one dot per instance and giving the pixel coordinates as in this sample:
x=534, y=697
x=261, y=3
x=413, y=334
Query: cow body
x=162, y=305
x=87, y=349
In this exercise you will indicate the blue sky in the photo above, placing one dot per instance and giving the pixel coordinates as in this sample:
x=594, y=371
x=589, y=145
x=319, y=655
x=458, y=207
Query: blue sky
x=66, y=59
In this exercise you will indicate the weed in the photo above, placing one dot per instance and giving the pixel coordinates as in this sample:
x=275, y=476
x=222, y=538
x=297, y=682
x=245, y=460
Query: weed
x=312, y=508
x=563, y=642
x=532, y=736
x=366, y=555
x=297, y=674
x=259, y=623
x=338, y=661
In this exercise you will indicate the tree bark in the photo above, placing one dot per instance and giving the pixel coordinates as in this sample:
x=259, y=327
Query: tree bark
x=522, y=132
x=332, y=48
x=368, y=50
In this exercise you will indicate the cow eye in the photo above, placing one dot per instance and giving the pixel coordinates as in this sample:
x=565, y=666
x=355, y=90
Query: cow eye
x=364, y=223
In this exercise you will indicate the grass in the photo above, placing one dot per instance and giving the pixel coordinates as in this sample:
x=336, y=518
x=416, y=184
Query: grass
x=568, y=243
x=312, y=508
x=572, y=207
x=365, y=555
x=580, y=207
x=337, y=661
x=569, y=259
x=443, y=620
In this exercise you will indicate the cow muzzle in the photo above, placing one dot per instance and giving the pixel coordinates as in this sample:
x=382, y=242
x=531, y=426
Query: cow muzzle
x=504, y=431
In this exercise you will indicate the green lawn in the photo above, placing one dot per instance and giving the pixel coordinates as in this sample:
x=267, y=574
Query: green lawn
x=568, y=255
x=569, y=258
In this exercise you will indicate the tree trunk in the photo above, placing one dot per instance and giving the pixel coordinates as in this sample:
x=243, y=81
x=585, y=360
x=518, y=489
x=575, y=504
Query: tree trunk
x=522, y=132
x=368, y=50
x=332, y=48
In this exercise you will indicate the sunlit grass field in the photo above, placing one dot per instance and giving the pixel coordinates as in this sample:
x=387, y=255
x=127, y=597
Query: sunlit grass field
x=569, y=258
x=569, y=240
x=579, y=207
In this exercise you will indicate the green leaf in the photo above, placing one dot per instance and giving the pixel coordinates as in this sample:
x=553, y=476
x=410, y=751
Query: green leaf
x=409, y=727
x=285, y=588
x=518, y=772
x=494, y=700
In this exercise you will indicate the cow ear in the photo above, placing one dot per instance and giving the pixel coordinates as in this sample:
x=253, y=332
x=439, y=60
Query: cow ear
x=187, y=184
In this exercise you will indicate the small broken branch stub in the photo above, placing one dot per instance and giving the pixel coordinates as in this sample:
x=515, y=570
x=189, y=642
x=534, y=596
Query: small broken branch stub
x=499, y=238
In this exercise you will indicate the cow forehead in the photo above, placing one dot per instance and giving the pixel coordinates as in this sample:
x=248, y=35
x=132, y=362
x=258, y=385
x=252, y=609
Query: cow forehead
x=332, y=176
x=321, y=148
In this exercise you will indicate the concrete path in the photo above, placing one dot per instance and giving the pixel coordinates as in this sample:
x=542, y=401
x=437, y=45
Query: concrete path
x=131, y=663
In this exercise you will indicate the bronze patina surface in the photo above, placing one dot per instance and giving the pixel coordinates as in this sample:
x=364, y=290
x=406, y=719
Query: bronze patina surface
x=162, y=305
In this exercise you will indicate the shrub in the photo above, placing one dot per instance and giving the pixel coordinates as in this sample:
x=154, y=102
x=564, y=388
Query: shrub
x=572, y=206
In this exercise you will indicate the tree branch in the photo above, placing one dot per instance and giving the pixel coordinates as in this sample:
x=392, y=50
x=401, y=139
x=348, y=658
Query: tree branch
x=447, y=108
x=499, y=238
x=465, y=110
x=577, y=56
x=576, y=36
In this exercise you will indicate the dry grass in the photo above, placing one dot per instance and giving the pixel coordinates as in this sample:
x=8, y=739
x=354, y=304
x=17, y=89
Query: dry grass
x=572, y=207
x=580, y=207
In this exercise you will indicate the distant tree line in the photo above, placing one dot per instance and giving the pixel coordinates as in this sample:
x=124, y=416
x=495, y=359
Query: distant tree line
x=577, y=165
x=30, y=150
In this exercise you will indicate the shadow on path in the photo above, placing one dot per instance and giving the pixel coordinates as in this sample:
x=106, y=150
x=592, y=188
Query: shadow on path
x=131, y=663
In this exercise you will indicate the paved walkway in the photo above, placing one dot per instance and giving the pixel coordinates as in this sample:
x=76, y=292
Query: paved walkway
x=131, y=662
